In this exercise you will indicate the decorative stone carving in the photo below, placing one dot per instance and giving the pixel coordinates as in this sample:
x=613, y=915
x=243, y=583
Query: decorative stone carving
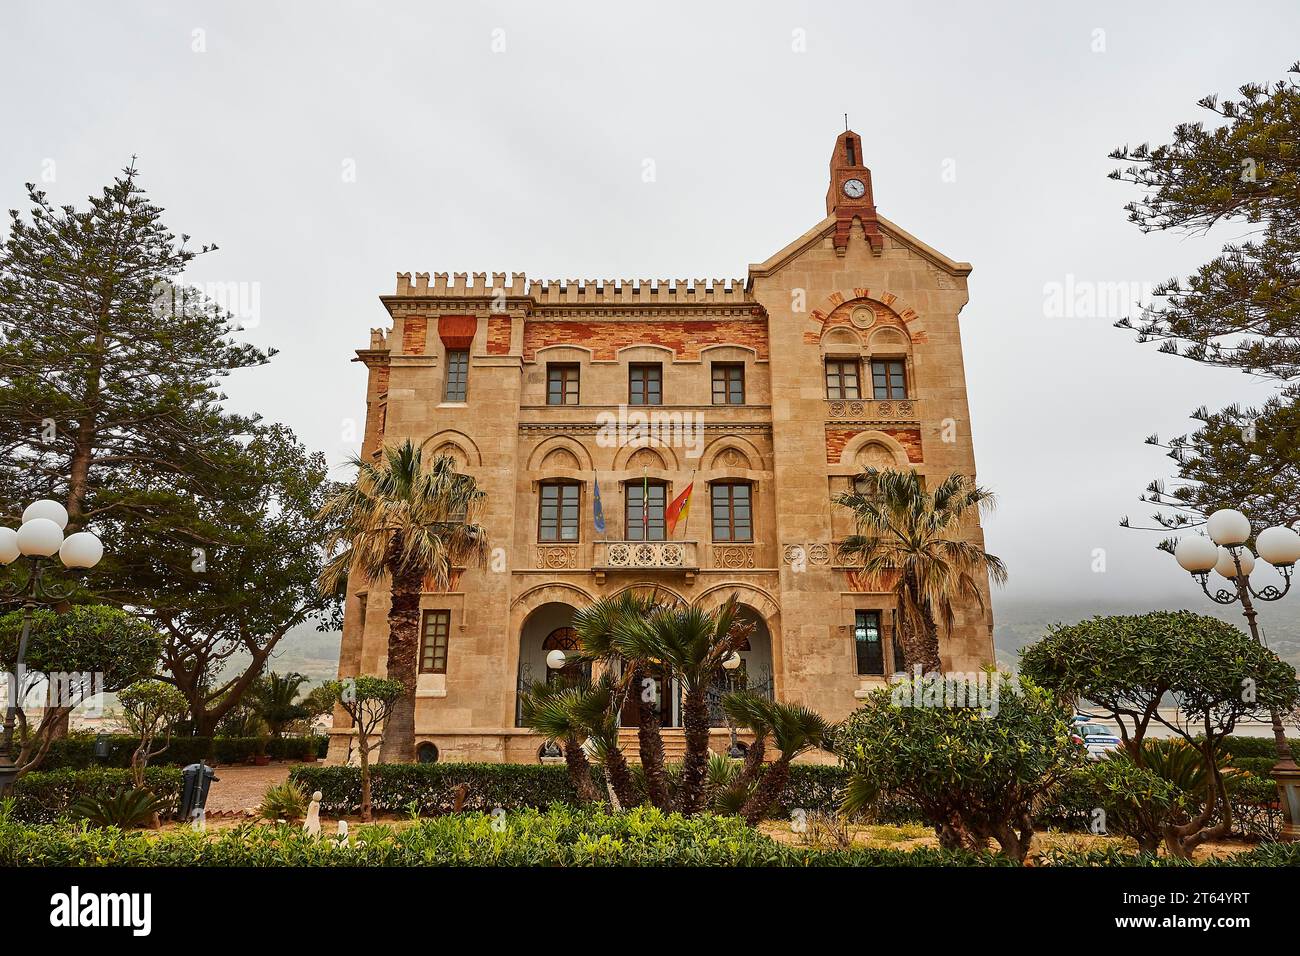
x=870, y=410
x=557, y=557
x=646, y=554
x=734, y=557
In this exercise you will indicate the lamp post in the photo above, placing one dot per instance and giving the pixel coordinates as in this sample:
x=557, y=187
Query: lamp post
x=37, y=541
x=1226, y=553
x=730, y=665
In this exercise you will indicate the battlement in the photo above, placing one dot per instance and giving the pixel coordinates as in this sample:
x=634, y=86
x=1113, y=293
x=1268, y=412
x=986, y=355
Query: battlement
x=573, y=291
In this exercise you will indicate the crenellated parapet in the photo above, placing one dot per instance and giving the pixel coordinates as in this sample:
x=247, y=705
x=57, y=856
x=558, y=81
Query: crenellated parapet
x=478, y=285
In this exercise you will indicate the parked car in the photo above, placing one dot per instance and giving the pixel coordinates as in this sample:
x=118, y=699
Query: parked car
x=1098, y=738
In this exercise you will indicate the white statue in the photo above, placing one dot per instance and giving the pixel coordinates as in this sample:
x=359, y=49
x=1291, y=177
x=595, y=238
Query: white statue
x=199, y=820
x=343, y=831
x=311, y=826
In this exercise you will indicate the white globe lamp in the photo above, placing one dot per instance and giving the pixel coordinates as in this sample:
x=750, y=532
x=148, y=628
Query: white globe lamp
x=732, y=661
x=1227, y=567
x=1279, y=546
x=39, y=537
x=1196, y=554
x=46, y=508
x=1228, y=527
x=555, y=660
x=8, y=546
x=81, y=550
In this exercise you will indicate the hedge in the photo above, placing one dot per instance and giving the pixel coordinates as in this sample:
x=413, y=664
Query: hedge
x=559, y=836
x=1257, y=747
x=431, y=789
x=43, y=797
x=78, y=750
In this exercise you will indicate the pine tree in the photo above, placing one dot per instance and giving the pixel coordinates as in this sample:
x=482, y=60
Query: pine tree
x=108, y=365
x=1240, y=310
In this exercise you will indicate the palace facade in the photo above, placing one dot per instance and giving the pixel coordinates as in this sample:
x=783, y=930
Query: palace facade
x=769, y=393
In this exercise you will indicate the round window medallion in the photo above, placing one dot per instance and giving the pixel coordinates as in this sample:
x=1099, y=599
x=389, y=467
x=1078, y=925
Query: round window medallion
x=862, y=317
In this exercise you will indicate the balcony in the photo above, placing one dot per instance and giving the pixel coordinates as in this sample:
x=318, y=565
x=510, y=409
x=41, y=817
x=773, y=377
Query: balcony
x=680, y=556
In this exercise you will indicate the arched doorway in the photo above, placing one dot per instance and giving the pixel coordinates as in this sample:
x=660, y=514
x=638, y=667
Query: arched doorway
x=755, y=671
x=548, y=628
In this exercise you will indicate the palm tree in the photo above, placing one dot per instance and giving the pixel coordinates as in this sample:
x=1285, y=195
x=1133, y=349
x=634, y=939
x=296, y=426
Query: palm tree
x=794, y=729
x=596, y=627
x=911, y=536
x=692, y=644
x=274, y=699
x=746, y=709
x=549, y=709
x=415, y=525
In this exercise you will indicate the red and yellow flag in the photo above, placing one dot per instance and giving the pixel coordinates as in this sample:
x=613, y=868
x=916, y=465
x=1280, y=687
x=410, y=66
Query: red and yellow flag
x=679, y=509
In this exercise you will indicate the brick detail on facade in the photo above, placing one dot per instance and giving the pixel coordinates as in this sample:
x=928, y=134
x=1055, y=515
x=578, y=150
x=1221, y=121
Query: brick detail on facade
x=686, y=339
x=909, y=438
x=414, y=331
x=457, y=331
x=498, y=335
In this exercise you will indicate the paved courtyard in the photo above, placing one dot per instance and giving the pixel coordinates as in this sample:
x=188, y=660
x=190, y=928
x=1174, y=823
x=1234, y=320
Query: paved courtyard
x=237, y=788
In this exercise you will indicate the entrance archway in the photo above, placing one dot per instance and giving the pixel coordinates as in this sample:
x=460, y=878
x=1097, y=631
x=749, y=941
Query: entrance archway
x=548, y=628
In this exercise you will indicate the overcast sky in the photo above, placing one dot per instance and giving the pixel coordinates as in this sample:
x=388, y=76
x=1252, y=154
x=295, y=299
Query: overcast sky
x=326, y=146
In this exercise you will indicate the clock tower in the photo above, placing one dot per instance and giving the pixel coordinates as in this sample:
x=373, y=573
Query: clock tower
x=849, y=196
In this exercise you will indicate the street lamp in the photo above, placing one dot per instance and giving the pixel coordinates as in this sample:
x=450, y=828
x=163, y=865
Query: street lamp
x=730, y=663
x=1226, y=553
x=37, y=541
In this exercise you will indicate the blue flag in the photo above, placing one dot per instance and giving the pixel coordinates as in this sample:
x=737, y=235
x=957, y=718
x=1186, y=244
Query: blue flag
x=597, y=512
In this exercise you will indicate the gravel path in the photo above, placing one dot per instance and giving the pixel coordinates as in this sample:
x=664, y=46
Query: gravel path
x=237, y=787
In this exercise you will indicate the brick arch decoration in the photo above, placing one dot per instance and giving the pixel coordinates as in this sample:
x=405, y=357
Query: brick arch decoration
x=555, y=442
x=459, y=440
x=911, y=319
x=849, y=453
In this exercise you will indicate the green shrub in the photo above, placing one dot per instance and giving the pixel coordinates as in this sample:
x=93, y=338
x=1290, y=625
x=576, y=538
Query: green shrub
x=559, y=836
x=975, y=773
x=125, y=809
x=284, y=801
x=1259, y=766
x=44, y=797
x=1239, y=747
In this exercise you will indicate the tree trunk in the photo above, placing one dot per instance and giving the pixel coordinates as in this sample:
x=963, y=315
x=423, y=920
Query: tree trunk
x=364, y=752
x=650, y=743
x=398, y=742
x=769, y=788
x=580, y=771
x=920, y=644
x=753, y=764
x=620, y=778
x=695, y=762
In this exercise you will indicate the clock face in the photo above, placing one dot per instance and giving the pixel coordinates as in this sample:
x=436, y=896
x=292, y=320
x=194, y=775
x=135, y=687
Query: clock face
x=854, y=189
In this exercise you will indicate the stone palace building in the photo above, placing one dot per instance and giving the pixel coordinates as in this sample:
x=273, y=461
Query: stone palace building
x=770, y=393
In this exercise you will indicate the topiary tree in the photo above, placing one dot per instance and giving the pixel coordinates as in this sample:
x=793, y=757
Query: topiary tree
x=88, y=650
x=1127, y=665
x=150, y=707
x=974, y=773
x=369, y=702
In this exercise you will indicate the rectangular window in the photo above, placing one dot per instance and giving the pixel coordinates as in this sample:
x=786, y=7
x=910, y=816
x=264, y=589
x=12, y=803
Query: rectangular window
x=645, y=384
x=644, y=523
x=561, y=385
x=866, y=639
x=558, y=518
x=433, y=646
x=728, y=383
x=888, y=378
x=457, y=374
x=842, y=378
x=732, y=519
x=853, y=152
